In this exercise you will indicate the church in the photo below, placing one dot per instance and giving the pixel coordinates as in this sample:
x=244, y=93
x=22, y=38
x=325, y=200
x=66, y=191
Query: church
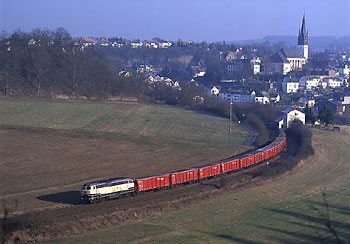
x=288, y=59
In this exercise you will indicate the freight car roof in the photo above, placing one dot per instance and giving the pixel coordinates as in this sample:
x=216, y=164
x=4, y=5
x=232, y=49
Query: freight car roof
x=151, y=176
x=266, y=148
x=182, y=170
x=278, y=139
x=206, y=165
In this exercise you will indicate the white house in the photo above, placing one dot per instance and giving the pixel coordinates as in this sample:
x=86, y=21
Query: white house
x=151, y=45
x=199, y=73
x=279, y=122
x=310, y=102
x=275, y=98
x=335, y=82
x=310, y=82
x=288, y=116
x=260, y=98
x=243, y=97
x=346, y=100
x=255, y=64
x=345, y=71
x=165, y=44
x=136, y=44
x=225, y=96
x=290, y=84
x=214, y=91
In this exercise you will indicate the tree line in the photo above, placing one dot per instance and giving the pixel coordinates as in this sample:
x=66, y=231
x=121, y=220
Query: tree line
x=47, y=63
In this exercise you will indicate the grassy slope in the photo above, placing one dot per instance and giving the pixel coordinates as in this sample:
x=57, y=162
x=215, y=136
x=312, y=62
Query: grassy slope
x=287, y=210
x=133, y=140
x=137, y=120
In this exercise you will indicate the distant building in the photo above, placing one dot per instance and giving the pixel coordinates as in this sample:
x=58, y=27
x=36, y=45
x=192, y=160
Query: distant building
x=274, y=98
x=214, y=91
x=288, y=116
x=231, y=56
x=255, y=64
x=310, y=82
x=290, y=85
x=307, y=101
x=243, y=97
x=333, y=72
x=286, y=60
x=345, y=71
x=335, y=82
x=137, y=44
x=337, y=106
x=278, y=63
x=260, y=98
x=165, y=44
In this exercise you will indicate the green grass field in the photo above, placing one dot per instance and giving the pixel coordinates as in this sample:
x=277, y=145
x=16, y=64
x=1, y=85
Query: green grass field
x=136, y=120
x=287, y=210
x=53, y=147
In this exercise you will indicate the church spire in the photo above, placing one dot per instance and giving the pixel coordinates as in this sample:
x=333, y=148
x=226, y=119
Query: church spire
x=303, y=37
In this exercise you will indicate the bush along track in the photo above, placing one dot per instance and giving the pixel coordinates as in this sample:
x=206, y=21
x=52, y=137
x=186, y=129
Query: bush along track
x=299, y=141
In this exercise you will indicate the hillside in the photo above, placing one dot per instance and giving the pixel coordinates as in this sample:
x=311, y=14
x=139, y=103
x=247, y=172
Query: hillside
x=49, y=148
x=290, y=209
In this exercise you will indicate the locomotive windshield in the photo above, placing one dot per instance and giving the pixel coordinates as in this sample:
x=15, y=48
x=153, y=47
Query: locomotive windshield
x=85, y=188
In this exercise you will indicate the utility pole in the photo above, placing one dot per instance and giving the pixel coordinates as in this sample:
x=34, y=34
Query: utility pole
x=230, y=129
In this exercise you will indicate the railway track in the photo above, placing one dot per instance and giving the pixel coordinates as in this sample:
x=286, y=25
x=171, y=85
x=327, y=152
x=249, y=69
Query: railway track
x=76, y=214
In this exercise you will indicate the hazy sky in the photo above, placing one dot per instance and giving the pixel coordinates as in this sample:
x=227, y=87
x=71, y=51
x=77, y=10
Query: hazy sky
x=198, y=20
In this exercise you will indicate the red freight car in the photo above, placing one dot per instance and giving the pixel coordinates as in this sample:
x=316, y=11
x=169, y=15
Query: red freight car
x=183, y=176
x=152, y=182
x=265, y=152
x=269, y=151
x=258, y=157
x=209, y=170
x=246, y=160
x=230, y=165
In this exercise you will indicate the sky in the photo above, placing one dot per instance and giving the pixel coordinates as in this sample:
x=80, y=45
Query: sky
x=197, y=20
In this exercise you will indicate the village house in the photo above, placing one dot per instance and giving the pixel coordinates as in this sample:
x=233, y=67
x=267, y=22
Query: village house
x=165, y=44
x=288, y=116
x=255, y=65
x=136, y=44
x=151, y=45
x=214, y=91
x=334, y=82
x=290, y=84
x=261, y=98
x=274, y=97
x=306, y=101
x=310, y=82
x=345, y=71
x=89, y=41
x=243, y=97
x=115, y=42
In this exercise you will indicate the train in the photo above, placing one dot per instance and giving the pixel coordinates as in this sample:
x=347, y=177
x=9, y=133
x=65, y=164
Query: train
x=119, y=187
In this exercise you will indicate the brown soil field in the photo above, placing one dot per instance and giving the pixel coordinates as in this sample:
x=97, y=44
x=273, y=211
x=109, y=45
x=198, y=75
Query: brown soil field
x=66, y=216
x=43, y=169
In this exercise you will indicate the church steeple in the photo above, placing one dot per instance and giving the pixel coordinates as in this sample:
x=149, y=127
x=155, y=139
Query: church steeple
x=303, y=37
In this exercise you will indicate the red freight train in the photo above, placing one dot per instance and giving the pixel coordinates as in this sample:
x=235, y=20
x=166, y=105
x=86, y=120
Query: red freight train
x=210, y=170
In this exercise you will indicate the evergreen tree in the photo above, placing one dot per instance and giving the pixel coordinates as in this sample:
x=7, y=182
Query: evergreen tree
x=309, y=116
x=326, y=115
